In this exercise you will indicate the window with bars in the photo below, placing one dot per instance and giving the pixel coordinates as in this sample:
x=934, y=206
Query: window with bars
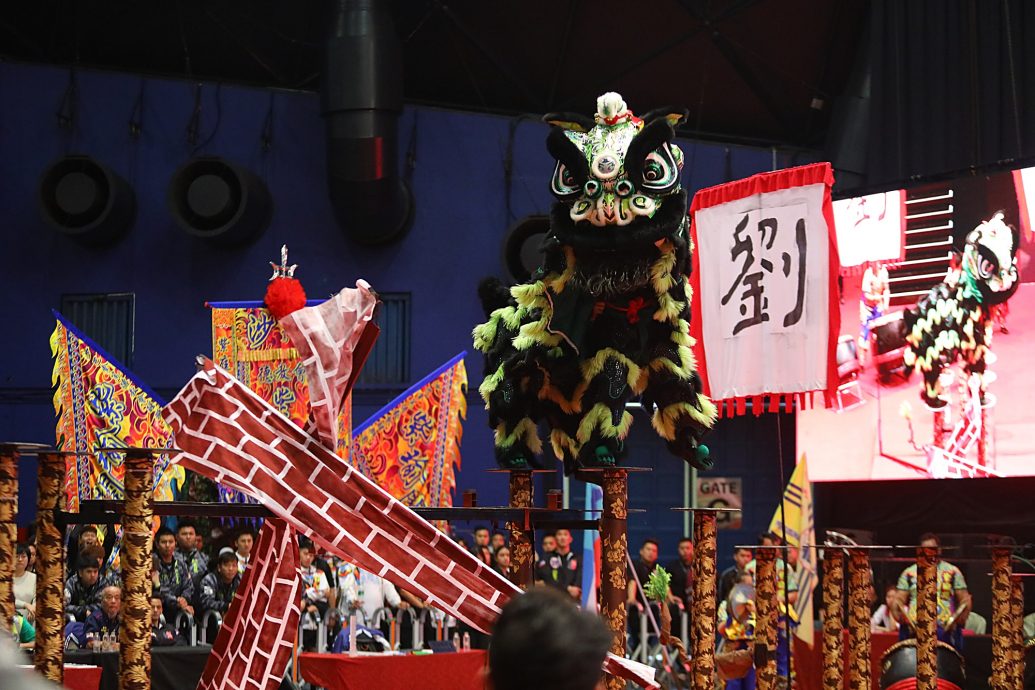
x=389, y=362
x=107, y=319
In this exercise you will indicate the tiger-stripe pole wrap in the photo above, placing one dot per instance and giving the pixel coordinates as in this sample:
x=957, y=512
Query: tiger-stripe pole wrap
x=703, y=645
x=926, y=618
x=766, y=618
x=521, y=538
x=833, y=614
x=135, y=631
x=614, y=542
x=8, y=531
x=50, y=571
x=1002, y=630
x=1016, y=626
x=858, y=619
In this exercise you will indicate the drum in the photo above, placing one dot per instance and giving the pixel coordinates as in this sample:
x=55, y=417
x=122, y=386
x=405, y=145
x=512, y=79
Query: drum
x=898, y=667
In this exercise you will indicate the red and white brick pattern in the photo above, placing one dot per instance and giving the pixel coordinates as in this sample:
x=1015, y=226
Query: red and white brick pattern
x=326, y=336
x=254, y=645
x=229, y=434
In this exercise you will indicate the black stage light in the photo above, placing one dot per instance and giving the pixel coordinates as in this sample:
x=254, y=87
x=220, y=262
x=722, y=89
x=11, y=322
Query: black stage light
x=521, y=247
x=86, y=200
x=220, y=202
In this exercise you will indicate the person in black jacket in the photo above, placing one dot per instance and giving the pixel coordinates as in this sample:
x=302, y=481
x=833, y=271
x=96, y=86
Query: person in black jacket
x=83, y=589
x=162, y=634
x=218, y=588
x=174, y=578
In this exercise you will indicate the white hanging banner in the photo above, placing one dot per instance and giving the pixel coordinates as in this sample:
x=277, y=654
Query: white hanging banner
x=765, y=287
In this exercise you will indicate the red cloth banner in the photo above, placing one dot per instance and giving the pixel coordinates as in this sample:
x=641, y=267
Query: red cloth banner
x=229, y=434
x=258, y=634
x=764, y=279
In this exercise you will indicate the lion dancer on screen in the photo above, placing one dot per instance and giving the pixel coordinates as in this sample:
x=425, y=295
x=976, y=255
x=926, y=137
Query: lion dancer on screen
x=606, y=318
x=954, y=321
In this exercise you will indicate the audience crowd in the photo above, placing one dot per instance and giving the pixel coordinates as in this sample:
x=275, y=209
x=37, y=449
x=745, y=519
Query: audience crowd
x=196, y=573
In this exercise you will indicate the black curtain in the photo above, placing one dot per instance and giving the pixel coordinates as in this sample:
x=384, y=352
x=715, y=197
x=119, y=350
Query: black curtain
x=951, y=87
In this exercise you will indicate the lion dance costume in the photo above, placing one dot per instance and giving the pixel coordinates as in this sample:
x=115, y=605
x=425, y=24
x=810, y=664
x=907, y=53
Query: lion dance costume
x=954, y=320
x=606, y=317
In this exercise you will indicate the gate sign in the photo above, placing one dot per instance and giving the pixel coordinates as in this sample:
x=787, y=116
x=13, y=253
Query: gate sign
x=766, y=314
x=721, y=492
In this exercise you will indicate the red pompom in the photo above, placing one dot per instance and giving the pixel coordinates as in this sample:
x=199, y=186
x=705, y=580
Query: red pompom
x=283, y=296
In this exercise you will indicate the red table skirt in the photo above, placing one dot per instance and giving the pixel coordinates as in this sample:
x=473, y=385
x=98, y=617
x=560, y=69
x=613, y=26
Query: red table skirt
x=449, y=671
x=82, y=677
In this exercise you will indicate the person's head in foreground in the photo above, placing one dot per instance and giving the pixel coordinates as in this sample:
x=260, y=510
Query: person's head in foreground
x=543, y=641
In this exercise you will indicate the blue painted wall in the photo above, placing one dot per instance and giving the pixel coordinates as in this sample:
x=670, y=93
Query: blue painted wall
x=455, y=240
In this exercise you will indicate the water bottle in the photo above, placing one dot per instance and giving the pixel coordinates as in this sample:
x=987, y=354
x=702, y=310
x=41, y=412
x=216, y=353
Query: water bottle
x=456, y=641
x=467, y=641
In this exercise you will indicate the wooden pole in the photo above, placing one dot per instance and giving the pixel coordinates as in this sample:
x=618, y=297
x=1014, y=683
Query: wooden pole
x=833, y=613
x=703, y=644
x=521, y=552
x=8, y=531
x=1016, y=626
x=135, y=633
x=859, y=581
x=614, y=541
x=1002, y=630
x=766, y=619
x=50, y=571
x=926, y=618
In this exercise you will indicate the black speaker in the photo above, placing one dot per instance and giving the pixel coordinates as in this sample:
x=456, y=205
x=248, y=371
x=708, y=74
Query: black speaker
x=521, y=253
x=86, y=200
x=219, y=202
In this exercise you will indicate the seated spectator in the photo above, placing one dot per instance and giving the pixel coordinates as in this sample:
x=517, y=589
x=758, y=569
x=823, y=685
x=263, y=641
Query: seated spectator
x=174, y=581
x=218, y=588
x=503, y=566
x=84, y=541
x=186, y=547
x=497, y=541
x=681, y=587
x=83, y=589
x=481, y=548
x=105, y=620
x=315, y=589
x=23, y=631
x=24, y=584
x=365, y=592
x=243, y=543
x=882, y=621
x=332, y=581
x=549, y=545
x=542, y=641
x=163, y=634
x=642, y=568
x=32, y=556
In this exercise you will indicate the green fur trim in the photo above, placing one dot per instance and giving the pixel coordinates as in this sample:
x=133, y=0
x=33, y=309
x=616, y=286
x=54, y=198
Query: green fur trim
x=563, y=445
x=661, y=271
x=527, y=341
x=665, y=419
x=669, y=309
x=525, y=293
x=600, y=418
x=592, y=367
x=491, y=383
x=525, y=431
x=683, y=369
